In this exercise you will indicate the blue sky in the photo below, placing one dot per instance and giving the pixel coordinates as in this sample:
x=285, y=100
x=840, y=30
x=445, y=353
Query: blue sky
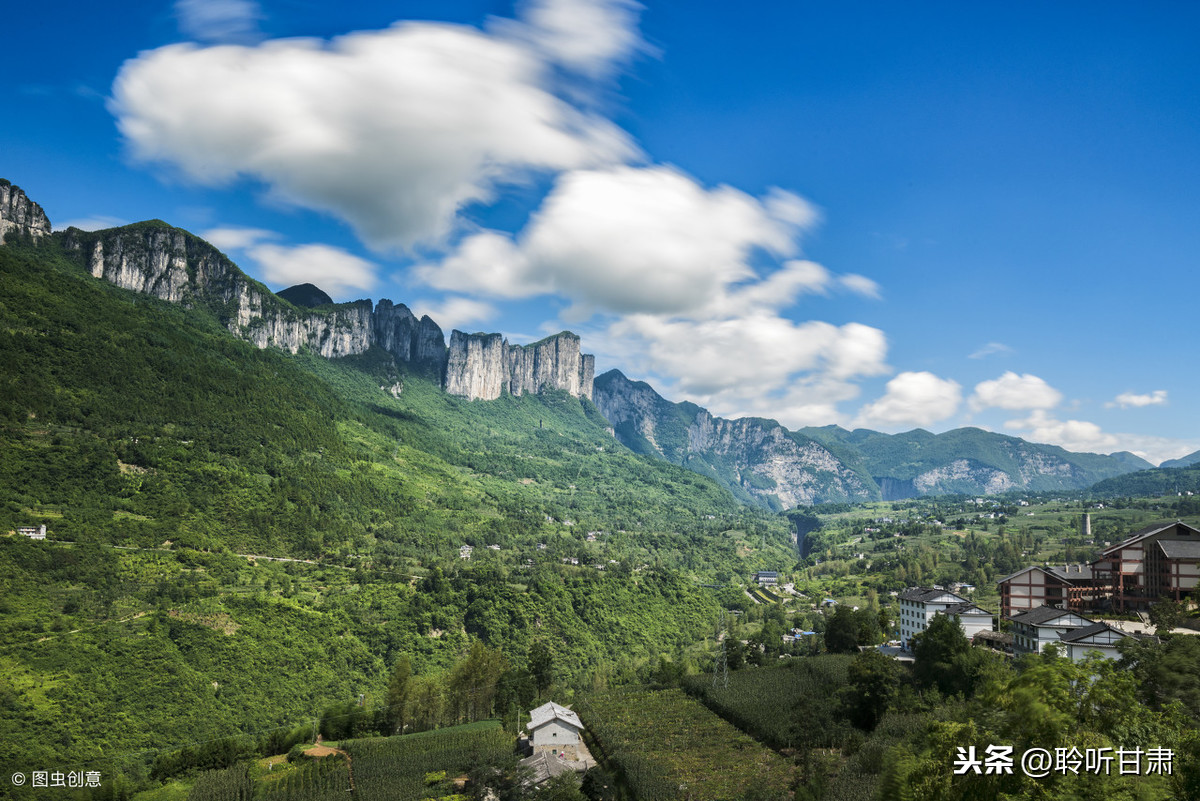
x=873, y=215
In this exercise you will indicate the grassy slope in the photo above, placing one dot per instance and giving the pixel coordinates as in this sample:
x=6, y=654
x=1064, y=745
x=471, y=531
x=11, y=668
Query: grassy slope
x=130, y=422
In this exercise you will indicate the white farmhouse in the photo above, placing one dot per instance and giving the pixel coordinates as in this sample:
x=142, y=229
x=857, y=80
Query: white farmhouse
x=556, y=729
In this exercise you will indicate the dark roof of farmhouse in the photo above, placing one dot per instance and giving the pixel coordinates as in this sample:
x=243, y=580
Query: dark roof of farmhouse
x=1043, y=614
x=1089, y=631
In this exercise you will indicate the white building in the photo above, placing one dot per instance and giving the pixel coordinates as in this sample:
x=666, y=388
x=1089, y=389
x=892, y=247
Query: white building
x=556, y=729
x=1099, y=637
x=38, y=533
x=969, y=617
x=1034, y=630
x=918, y=605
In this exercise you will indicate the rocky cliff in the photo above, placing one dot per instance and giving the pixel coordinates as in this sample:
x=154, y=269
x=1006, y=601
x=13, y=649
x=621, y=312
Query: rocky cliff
x=759, y=460
x=173, y=265
x=20, y=215
x=485, y=366
x=766, y=463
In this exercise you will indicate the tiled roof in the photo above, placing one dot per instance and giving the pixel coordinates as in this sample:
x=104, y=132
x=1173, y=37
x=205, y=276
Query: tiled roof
x=549, y=711
x=1042, y=615
x=1089, y=631
x=544, y=766
x=1180, y=549
x=1072, y=572
x=1150, y=530
x=966, y=609
x=925, y=594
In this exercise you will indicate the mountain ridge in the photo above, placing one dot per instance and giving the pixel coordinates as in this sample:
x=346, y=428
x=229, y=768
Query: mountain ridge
x=763, y=461
x=172, y=264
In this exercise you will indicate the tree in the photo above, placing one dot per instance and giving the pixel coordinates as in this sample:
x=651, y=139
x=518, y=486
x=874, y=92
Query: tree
x=541, y=666
x=841, y=634
x=472, y=685
x=399, y=688
x=1167, y=614
x=874, y=679
x=936, y=650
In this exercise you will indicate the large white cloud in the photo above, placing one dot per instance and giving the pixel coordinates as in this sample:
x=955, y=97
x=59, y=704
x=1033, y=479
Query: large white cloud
x=1013, y=391
x=394, y=131
x=912, y=399
x=641, y=240
x=334, y=270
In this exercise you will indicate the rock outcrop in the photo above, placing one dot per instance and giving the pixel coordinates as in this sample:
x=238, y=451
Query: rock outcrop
x=171, y=264
x=19, y=215
x=759, y=460
x=485, y=366
x=764, y=462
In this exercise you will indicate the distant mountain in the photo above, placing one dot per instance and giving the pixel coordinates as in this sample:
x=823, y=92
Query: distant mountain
x=1183, y=461
x=1149, y=483
x=765, y=463
x=305, y=295
x=971, y=461
x=759, y=460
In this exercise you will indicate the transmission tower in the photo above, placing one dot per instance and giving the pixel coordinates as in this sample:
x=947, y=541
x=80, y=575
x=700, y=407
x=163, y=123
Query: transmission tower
x=721, y=667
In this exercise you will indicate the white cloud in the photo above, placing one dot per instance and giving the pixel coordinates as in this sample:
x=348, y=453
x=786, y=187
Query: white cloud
x=912, y=399
x=394, y=131
x=591, y=37
x=1127, y=400
x=235, y=237
x=1013, y=391
x=219, y=20
x=861, y=285
x=640, y=240
x=1074, y=435
x=455, y=312
x=1087, y=437
x=991, y=349
x=97, y=222
x=334, y=270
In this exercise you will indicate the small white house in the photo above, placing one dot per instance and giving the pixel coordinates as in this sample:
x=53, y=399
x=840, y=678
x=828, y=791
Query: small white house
x=1099, y=637
x=1034, y=630
x=555, y=729
x=38, y=533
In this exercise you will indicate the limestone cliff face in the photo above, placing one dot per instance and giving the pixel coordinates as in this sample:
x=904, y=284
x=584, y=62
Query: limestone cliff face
x=173, y=265
x=19, y=214
x=485, y=366
x=398, y=331
x=759, y=460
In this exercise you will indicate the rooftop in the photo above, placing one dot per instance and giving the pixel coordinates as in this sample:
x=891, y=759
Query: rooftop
x=551, y=711
x=1043, y=615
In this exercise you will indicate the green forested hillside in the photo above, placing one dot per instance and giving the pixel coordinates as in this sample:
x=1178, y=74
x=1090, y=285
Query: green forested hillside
x=168, y=459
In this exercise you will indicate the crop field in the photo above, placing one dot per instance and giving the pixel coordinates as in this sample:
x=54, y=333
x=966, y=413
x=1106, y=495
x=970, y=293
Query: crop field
x=403, y=768
x=784, y=706
x=666, y=745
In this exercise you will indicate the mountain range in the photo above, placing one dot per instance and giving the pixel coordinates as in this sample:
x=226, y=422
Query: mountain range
x=761, y=462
